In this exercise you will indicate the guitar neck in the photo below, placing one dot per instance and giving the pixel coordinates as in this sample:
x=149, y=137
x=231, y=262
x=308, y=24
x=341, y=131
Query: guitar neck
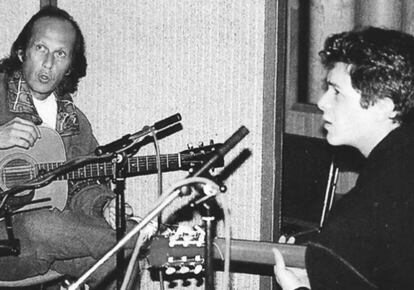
x=259, y=252
x=134, y=166
x=247, y=251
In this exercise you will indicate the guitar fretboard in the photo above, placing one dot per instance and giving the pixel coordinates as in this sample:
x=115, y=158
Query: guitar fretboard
x=134, y=166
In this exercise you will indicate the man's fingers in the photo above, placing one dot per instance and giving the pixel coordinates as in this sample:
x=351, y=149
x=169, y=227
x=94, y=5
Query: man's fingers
x=19, y=142
x=286, y=239
x=111, y=220
x=27, y=136
x=21, y=132
x=279, y=261
x=128, y=210
x=282, y=239
x=109, y=212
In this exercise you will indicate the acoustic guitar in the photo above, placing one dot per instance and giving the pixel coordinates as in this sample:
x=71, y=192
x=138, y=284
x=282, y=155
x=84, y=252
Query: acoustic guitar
x=19, y=165
x=184, y=252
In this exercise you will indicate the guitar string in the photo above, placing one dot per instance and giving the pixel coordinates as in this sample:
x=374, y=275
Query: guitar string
x=14, y=173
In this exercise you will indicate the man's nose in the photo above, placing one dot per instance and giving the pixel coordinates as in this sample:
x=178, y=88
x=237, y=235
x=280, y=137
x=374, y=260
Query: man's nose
x=48, y=60
x=322, y=101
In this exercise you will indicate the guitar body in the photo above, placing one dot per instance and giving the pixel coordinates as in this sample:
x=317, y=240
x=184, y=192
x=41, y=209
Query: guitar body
x=18, y=165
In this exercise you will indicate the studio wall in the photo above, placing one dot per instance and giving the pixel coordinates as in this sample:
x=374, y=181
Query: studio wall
x=202, y=59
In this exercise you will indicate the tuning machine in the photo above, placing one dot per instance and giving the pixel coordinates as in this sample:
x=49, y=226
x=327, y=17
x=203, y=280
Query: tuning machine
x=184, y=265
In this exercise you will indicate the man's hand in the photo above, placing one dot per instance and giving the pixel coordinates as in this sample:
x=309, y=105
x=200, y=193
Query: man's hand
x=109, y=212
x=18, y=132
x=285, y=276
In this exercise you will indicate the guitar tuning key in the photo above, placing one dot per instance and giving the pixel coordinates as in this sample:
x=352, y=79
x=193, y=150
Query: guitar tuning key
x=184, y=270
x=200, y=144
x=170, y=270
x=197, y=269
x=211, y=142
x=190, y=146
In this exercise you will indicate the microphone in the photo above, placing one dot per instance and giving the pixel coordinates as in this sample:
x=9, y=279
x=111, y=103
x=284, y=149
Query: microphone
x=157, y=126
x=130, y=138
x=223, y=150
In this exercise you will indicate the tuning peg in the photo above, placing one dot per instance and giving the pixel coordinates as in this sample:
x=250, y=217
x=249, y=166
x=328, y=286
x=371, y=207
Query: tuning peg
x=170, y=270
x=184, y=270
x=200, y=144
x=197, y=269
x=211, y=142
x=190, y=146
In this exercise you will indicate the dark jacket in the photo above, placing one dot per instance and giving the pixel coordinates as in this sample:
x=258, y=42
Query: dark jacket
x=372, y=227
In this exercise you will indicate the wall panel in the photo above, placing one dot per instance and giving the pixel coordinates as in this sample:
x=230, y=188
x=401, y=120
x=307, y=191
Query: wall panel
x=13, y=16
x=203, y=59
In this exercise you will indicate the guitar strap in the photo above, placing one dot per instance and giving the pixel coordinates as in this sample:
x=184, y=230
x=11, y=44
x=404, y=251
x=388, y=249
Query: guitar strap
x=20, y=103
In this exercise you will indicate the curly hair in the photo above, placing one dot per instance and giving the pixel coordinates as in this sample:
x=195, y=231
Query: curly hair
x=69, y=84
x=382, y=65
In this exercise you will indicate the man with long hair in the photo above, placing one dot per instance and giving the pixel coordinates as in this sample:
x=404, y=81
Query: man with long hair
x=36, y=82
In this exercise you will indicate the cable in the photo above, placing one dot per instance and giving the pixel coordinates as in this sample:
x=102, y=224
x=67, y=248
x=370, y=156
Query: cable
x=159, y=176
x=227, y=248
x=159, y=171
x=140, y=240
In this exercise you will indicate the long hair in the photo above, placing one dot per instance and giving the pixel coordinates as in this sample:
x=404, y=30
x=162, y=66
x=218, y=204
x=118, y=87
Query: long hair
x=382, y=65
x=69, y=84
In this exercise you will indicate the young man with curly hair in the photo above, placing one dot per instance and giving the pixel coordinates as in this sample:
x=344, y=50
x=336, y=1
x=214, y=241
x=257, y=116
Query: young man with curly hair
x=368, y=240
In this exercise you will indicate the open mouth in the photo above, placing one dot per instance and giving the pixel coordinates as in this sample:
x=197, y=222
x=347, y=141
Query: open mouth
x=44, y=78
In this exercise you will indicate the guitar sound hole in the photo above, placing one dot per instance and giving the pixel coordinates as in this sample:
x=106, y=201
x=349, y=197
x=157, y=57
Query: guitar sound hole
x=17, y=171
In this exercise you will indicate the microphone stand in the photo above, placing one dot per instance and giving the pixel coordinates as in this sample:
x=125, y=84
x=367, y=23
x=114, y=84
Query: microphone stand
x=164, y=201
x=209, y=221
x=174, y=192
x=118, y=149
x=209, y=224
x=208, y=218
x=118, y=162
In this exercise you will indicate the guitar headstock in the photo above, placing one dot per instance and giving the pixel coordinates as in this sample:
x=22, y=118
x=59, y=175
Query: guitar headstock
x=181, y=252
x=196, y=157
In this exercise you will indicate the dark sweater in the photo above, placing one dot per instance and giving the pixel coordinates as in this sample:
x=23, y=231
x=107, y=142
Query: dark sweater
x=372, y=227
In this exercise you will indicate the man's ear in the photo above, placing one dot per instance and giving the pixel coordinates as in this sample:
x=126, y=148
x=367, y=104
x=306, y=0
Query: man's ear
x=20, y=55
